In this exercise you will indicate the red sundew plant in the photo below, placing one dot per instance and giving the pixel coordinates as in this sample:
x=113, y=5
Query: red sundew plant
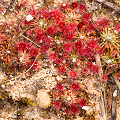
x=59, y=86
x=103, y=78
x=67, y=98
x=113, y=54
x=82, y=7
x=117, y=76
x=74, y=109
x=72, y=74
x=57, y=104
x=117, y=27
x=61, y=69
x=74, y=5
x=74, y=86
x=85, y=71
x=67, y=47
x=25, y=53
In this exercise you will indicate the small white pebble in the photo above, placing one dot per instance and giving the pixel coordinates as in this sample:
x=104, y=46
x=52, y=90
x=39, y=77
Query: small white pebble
x=3, y=86
x=81, y=36
x=58, y=42
x=109, y=61
x=96, y=7
x=29, y=17
x=7, y=30
x=55, y=5
x=88, y=33
x=115, y=18
x=58, y=78
x=60, y=54
x=115, y=93
x=2, y=13
x=43, y=98
x=45, y=24
x=64, y=4
x=8, y=52
x=85, y=108
x=38, y=4
x=115, y=31
x=41, y=23
x=74, y=60
x=41, y=41
x=64, y=61
x=68, y=98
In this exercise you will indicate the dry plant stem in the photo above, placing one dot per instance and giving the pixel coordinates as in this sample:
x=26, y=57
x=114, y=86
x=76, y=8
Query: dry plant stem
x=113, y=117
x=110, y=98
x=10, y=6
x=113, y=107
x=105, y=101
x=30, y=40
x=50, y=113
x=20, y=34
x=102, y=101
x=110, y=5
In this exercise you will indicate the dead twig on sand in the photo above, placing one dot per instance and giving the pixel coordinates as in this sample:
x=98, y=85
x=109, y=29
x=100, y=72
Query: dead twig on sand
x=102, y=97
x=10, y=6
x=110, y=5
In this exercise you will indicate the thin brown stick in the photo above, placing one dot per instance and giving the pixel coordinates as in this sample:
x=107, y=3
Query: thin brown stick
x=110, y=99
x=20, y=34
x=102, y=99
x=114, y=103
x=30, y=40
x=110, y=5
x=10, y=6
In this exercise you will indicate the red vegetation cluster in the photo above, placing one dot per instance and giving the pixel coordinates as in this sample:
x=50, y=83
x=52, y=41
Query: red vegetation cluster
x=66, y=36
x=66, y=98
x=103, y=78
x=101, y=24
x=26, y=54
x=117, y=27
x=117, y=76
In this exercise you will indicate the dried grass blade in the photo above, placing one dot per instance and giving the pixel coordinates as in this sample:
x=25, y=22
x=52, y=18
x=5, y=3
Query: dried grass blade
x=110, y=99
x=102, y=102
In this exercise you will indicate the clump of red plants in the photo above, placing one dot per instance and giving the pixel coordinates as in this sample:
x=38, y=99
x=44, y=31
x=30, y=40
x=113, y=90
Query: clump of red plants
x=26, y=54
x=59, y=34
x=68, y=99
x=69, y=39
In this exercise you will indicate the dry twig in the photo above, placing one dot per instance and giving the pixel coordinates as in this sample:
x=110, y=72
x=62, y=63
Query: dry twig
x=102, y=99
x=30, y=41
x=110, y=5
x=10, y=6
